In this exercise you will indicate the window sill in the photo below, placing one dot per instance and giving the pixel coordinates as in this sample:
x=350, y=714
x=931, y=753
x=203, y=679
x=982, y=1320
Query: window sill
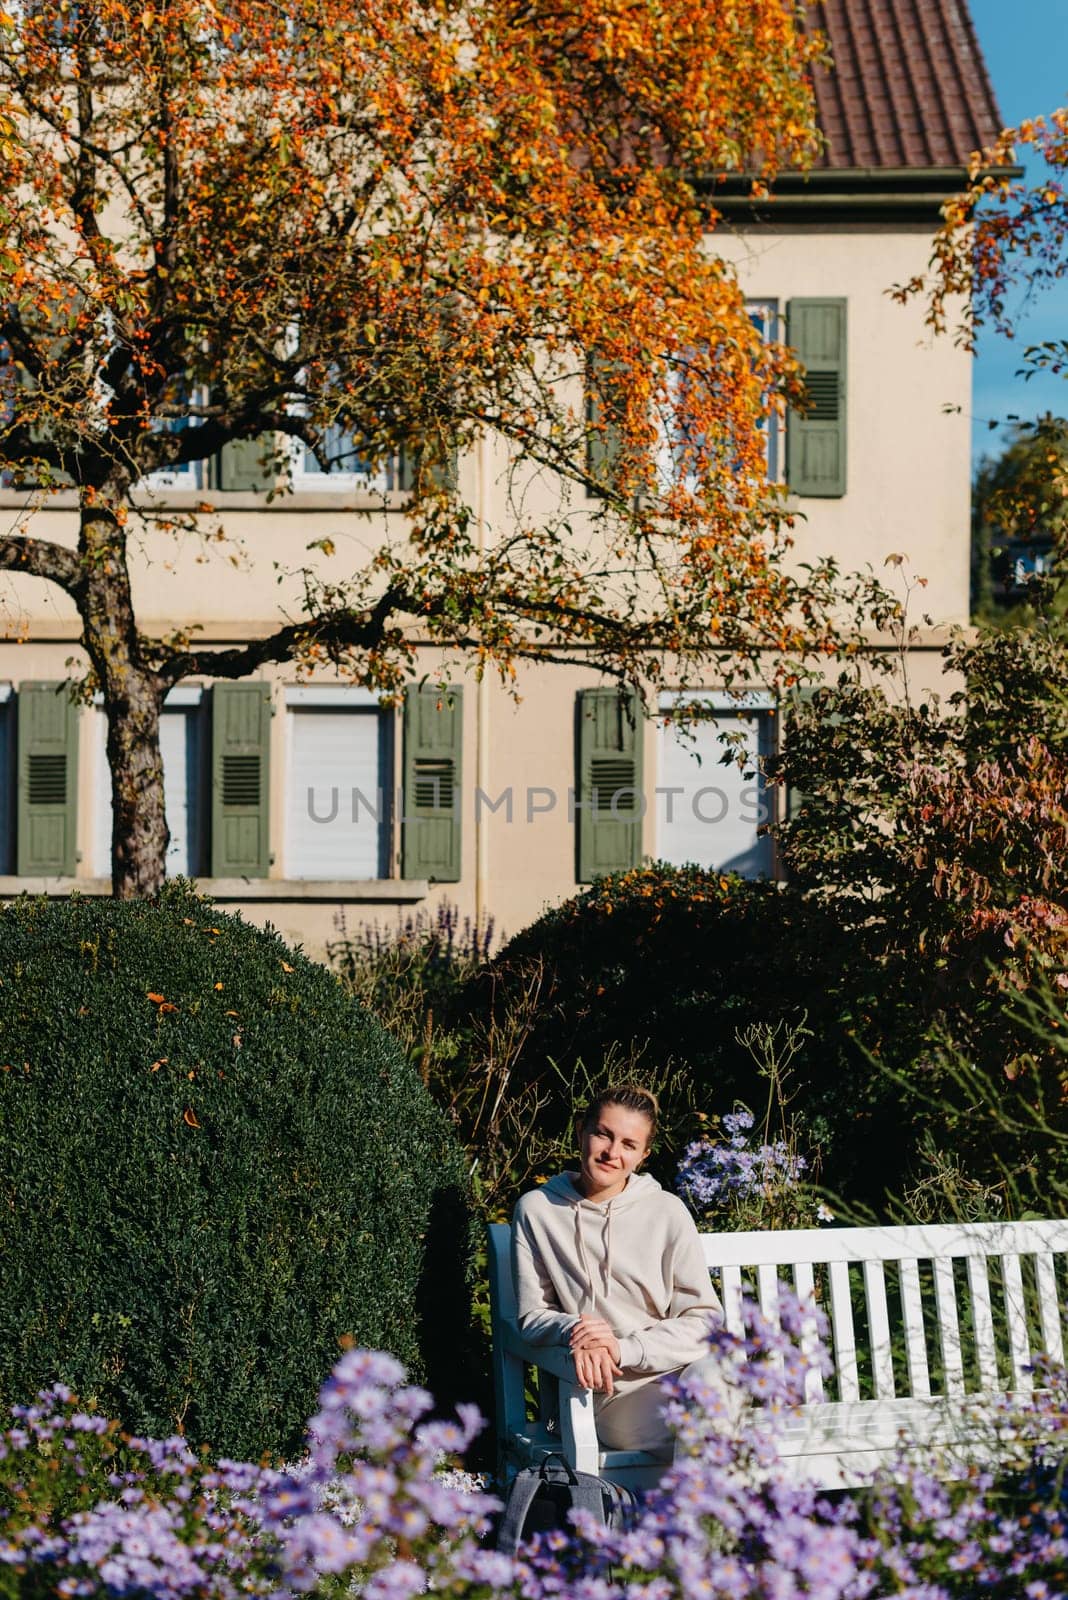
x=208, y=500
x=391, y=891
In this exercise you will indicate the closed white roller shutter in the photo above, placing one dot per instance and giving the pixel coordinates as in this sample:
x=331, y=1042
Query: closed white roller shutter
x=338, y=801
x=183, y=746
x=707, y=814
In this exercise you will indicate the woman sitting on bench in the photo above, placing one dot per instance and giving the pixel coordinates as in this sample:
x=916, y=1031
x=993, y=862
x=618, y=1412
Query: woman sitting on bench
x=607, y=1262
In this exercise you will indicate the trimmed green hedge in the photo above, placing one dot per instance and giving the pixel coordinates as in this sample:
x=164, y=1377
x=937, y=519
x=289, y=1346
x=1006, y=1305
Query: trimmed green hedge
x=678, y=959
x=214, y=1167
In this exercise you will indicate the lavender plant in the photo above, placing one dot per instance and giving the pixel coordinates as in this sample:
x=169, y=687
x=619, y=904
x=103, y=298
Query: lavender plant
x=737, y=1183
x=87, y=1511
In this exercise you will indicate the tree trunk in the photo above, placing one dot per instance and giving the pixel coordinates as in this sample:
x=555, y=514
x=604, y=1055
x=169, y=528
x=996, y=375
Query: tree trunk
x=133, y=695
x=139, y=834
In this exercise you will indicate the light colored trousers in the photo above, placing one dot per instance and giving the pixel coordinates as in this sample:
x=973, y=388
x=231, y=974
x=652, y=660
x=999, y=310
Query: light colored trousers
x=634, y=1421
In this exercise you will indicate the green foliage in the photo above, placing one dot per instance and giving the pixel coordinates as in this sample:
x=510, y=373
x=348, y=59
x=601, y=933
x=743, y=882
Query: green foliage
x=940, y=829
x=468, y=1024
x=1019, y=515
x=655, y=971
x=214, y=1166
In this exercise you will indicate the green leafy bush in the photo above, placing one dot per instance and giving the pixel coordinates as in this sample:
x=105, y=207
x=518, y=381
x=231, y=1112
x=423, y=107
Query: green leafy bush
x=666, y=965
x=214, y=1166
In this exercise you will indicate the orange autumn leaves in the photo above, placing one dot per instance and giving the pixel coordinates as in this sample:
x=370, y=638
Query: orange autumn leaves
x=415, y=223
x=1002, y=231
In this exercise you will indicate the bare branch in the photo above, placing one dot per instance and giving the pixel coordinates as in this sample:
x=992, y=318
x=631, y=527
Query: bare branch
x=41, y=559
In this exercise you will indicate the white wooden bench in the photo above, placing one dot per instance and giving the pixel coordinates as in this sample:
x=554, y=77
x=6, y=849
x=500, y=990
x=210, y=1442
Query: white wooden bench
x=925, y=1321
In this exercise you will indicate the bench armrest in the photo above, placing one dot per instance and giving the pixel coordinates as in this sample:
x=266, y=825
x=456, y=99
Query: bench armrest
x=554, y=1358
x=578, y=1431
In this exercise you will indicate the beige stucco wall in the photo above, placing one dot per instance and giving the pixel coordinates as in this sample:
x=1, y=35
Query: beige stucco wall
x=908, y=487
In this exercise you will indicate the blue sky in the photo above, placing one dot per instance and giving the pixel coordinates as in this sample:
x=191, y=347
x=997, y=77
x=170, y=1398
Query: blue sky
x=1025, y=43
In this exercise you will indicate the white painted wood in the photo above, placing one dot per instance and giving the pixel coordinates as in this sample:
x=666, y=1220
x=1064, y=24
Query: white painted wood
x=836, y=1443
x=1016, y=1318
x=730, y=1295
x=844, y=1334
x=983, y=1324
x=805, y=1287
x=768, y=1300
x=882, y=1364
x=949, y=1329
x=915, y=1341
x=1048, y=1307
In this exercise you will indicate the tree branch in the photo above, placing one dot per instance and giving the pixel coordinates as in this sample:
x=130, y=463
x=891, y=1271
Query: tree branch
x=343, y=630
x=41, y=559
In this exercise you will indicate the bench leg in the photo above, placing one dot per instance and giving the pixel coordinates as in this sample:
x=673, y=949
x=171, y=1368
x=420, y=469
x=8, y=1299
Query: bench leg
x=578, y=1434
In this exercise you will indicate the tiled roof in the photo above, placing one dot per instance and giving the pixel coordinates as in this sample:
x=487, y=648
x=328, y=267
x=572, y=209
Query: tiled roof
x=909, y=87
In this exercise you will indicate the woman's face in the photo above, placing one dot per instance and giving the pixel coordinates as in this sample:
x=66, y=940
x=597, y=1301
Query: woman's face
x=611, y=1147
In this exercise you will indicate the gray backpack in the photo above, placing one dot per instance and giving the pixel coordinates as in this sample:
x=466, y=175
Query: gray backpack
x=541, y=1497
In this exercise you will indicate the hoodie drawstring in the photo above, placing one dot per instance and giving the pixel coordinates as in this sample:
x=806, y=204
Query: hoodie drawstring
x=606, y=1261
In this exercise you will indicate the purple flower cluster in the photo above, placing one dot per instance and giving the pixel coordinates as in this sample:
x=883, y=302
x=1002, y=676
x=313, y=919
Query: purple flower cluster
x=85, y=1511
x=712, y=1177
x=371, y=1505
x=724, y=1524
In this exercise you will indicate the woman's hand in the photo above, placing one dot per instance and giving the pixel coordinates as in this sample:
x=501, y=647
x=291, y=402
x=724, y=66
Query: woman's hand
x=595, y=1369
x=595, y=1349
x=593, y=1333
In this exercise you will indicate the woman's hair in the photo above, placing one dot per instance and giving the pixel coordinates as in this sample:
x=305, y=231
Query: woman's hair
x=631, y=1096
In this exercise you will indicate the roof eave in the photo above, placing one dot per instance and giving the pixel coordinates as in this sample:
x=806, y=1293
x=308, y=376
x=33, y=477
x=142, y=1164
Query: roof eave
x=844, y=193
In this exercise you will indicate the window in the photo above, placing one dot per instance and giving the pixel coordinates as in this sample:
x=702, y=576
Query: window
x=676, y=448
x=339, y=781
x=709, y=814
x=764, y=315
x=188, y=475
x=185, y=747
x=341, y=465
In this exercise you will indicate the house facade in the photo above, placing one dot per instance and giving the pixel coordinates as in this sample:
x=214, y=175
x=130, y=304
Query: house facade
x=305, y=802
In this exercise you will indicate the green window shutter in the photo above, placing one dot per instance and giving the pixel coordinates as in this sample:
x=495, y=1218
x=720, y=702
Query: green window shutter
x=794, y=798
x=240, y=770
x=611, y=735
x=48, y=781
x=802, y=696
x=405, y=468
x=816, y=439
x=433, y=772
x=439, y=466
x=241, y=464
x=604, y=421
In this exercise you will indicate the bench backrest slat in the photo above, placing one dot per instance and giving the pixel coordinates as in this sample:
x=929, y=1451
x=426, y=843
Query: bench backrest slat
x=915, y=1342
x=983, y=1324
x=768, y=1300
x=949, y=1330
x=1047, y=1305
x=1016, y=1318
x=843, y=1331
x=805, y=1284
x=882, y=1359
x=731, y=1297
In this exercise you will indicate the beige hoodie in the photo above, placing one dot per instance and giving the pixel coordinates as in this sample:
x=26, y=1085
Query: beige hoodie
x=635, y=1260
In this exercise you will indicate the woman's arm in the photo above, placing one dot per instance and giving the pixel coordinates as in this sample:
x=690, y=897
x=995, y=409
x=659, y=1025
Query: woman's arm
x=682, y=1336
x=538, y=1312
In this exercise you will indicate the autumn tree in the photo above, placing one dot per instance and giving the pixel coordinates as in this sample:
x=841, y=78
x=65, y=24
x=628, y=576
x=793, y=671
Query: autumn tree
x=400, y=224
x=1019, y=514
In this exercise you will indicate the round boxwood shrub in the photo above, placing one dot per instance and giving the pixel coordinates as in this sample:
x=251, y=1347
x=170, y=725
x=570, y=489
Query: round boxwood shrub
x=215, y=1168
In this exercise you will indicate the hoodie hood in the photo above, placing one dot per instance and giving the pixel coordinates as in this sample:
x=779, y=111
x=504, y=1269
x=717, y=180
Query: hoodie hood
x=640, y=1186
x=595, y=1217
